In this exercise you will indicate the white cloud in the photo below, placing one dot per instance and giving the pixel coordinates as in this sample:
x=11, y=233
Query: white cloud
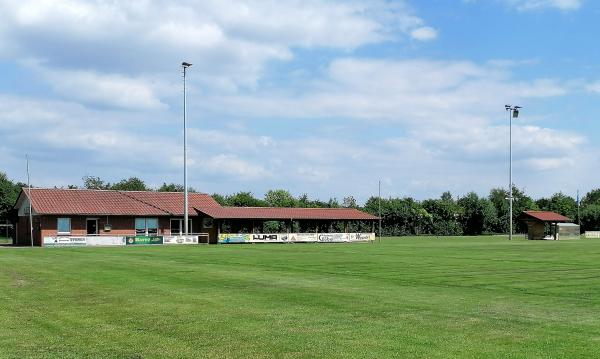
x=424, y=33
x=106, y=89
x=231, y=165
x=229, y=42
x=406, y=91
x=593, y=87
x=564, y=5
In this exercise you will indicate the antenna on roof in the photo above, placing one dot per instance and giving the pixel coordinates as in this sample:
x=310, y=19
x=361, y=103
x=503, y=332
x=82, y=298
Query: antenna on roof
x=30, y=199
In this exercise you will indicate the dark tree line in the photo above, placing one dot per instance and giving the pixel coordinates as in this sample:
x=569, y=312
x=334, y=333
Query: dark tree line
x=447, y=215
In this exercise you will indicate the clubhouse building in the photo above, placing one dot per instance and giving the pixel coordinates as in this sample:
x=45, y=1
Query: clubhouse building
x=108, y=217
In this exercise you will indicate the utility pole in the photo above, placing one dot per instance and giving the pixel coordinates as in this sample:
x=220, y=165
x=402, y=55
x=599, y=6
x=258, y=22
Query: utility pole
x=30, y=200
x=185, y=65
x=379, y=205
x=578, y=215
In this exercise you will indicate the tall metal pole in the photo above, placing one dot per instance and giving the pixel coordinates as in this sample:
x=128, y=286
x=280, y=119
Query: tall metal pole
x=513, y=111
x=30, y=199
x=578, y=205
x=379, y=204
x=185, y=65
x=510, y=184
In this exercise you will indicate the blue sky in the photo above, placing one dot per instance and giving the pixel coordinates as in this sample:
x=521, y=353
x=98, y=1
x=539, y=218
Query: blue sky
x=318, y=97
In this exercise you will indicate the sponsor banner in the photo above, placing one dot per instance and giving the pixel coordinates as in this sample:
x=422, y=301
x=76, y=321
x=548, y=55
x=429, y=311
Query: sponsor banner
x=234, y=238
x=134, y=240
x=333, y=237
x=362, y=237
x=105, y=240
x=64, y=241
x=295, y=237
x=303, y=237
x=180, y=239
x=269, y=238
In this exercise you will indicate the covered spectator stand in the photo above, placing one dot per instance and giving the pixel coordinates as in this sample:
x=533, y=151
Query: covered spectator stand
x=537, y=220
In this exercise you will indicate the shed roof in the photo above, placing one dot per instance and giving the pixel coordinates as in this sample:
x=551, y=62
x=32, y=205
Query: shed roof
x=278, y=213
x=544, y=216
x=108, y=202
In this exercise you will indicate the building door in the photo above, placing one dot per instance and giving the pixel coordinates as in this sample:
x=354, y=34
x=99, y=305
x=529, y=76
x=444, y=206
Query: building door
x=92, y=226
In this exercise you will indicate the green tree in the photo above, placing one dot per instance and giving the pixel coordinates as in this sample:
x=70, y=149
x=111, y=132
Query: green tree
x=478, y=214
x=521, y=202
x=590, y=217
x=171, y=187
x=333, y=203
x=444, y=214
x=592, y=197
x=9, y=191
x=559, y=203
x=220, y=199
x=130, y=184
x=92, y=182
x=244, y=199
x=280, y=198
x=349, y=202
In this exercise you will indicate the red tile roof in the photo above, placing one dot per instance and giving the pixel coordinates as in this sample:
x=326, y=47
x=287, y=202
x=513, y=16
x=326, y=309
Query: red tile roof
x=140, y=203
x=278, y=213
x=106, y=202
x=546, y=216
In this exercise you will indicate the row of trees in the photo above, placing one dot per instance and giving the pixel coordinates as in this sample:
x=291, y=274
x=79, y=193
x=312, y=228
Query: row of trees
x=447, y=215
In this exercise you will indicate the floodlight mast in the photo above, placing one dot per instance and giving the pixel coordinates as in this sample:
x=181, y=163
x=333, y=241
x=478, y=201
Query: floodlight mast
x=184, y=66
x=513, y=112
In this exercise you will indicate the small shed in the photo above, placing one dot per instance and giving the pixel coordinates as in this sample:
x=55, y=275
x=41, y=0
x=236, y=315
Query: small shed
x=537, y=220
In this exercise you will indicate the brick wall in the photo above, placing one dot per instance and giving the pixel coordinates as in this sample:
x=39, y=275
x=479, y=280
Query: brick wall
x=121, y=225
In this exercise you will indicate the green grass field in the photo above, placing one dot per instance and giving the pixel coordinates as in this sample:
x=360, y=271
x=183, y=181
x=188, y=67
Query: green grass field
x=4, y=240
x=409, y=297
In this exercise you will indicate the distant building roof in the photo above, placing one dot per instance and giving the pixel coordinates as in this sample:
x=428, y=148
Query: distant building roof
x=107, y=202
x=278, y=213
x=544, y=216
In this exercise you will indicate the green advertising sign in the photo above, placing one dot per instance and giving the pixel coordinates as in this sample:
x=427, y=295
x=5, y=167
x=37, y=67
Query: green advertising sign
x=131, y=240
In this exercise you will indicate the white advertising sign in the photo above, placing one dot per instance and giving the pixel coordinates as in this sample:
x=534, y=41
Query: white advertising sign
x=180, y=239
x=64, y=241
x=269, y=237
x=334, y=237
x=294, y=237
x=105, y=241
x=362, y=237
x=303, y=237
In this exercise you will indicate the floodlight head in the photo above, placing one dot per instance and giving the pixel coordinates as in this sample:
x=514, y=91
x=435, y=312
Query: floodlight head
x=507, y=107
x=515, y=113
x=518, y=107
x=186, y=64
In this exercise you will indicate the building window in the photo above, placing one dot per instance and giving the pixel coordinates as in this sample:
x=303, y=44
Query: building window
x=64, y=226
x=207, y=222
x=177, y=226
x=146, y=226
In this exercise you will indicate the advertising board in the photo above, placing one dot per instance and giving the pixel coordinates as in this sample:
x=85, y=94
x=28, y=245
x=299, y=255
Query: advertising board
x=295, y=237
x=105, y=241
x=234, y=238
x=180, y=239
x=136, y=240
x=362, y=237
x=303, y=237
x=333, y=237
x=64, y=241
x=269, y=238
